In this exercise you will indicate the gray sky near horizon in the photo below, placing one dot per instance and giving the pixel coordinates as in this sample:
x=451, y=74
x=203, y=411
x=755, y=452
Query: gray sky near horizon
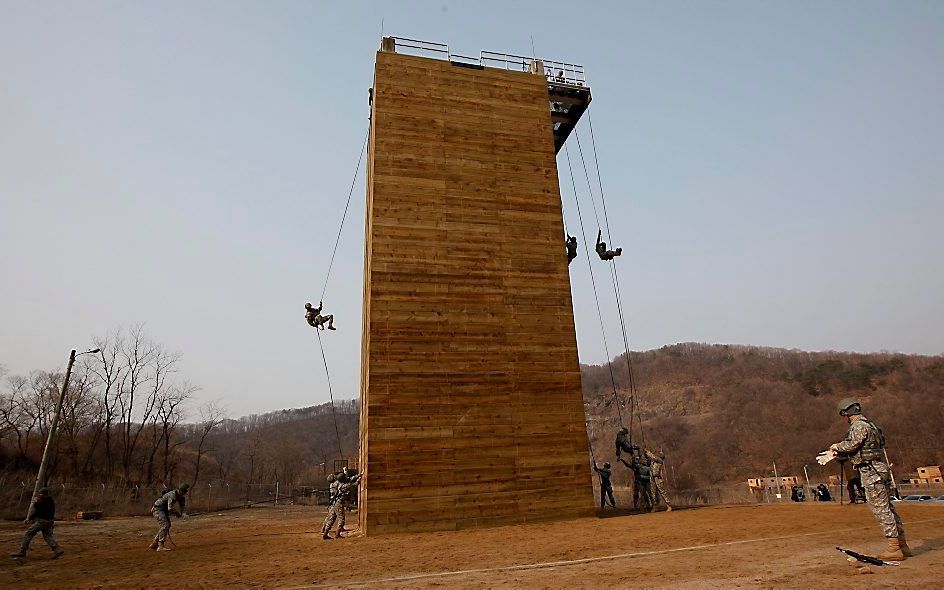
x=775, y=175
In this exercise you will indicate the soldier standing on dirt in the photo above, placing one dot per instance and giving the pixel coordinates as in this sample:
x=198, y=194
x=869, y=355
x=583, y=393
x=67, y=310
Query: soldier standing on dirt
x=337, y=510
x=606, y=488
x=163, y=508
x=42, y=519
x=657, y=462
x=641, y=483
x=863, y=445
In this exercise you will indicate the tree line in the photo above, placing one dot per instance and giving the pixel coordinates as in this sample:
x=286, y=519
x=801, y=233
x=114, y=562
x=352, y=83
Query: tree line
x=129, y=418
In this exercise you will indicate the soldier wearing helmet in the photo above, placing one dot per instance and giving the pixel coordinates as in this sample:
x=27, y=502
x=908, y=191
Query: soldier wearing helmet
x=315, y=319
x=623, y=444
x=657, y=462
x=606, y=488
x=163, y=508
x=863, y=446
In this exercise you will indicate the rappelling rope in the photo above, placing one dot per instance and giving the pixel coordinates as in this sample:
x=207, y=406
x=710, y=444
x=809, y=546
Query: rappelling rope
x=596, y=297
x=615, y=277
x=344, y=216
x=334, y=413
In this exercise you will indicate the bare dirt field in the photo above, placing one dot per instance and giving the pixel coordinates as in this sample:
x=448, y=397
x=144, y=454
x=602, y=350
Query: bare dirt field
x=761, y=546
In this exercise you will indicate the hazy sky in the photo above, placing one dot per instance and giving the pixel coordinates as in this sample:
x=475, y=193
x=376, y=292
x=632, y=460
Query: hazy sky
x=774, y=174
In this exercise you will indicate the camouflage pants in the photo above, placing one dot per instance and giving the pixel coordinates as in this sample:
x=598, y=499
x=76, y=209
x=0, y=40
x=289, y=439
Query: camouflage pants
x=877, y=479
x=642, y=489
x=39, y=526
x=659, y=491
x=604, y=492
x=337, y=513
x=163, y=525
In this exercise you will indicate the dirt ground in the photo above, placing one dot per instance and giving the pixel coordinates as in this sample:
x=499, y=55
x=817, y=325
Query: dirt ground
x=761, y=546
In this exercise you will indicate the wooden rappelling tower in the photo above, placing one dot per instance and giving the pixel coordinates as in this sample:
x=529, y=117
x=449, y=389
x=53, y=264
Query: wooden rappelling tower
x=472, y=412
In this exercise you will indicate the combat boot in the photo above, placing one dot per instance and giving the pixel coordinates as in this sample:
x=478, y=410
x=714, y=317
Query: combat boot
x=18, y=554
x=56, y=554
x=326, y=536
x=903, y=543
x=893, y=552
x=668, y=508
x=162, y=547
x=153, y=544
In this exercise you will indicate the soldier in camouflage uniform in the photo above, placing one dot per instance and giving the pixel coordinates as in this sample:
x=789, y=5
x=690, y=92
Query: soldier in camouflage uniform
x=315, y=319
x=656, y=463
x=162, y=509
x=333, y=484
x=863, y=445
x=342, y=501
x=606, y=488
x=42, y=519
x=641, y=487
x=571, y=249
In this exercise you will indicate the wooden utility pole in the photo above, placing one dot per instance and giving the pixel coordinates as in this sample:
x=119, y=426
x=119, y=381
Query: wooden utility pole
x=47, y=451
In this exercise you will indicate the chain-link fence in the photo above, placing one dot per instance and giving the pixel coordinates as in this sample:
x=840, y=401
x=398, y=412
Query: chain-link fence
x=137, y=500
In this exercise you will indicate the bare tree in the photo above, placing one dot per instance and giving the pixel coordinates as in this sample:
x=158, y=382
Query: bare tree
x=212, y=414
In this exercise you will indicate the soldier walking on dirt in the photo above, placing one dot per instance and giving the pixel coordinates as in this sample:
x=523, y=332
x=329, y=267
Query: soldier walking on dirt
x=863, y=445
x=606, y=488
x=42, y=519
x=338, y=509
x=657, y=462
x=162, y=510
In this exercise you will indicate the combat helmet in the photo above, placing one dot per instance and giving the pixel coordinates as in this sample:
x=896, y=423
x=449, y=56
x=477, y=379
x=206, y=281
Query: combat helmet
x=848, y=406
x=624, y=430
x=606, y=465
x=308, y=305
x=183, y=488
x=332, y=477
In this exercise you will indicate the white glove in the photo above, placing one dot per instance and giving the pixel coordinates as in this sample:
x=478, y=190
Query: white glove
x=825, y=457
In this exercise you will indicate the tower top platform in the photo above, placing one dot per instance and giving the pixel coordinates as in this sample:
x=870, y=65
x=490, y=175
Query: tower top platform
x=567, y=88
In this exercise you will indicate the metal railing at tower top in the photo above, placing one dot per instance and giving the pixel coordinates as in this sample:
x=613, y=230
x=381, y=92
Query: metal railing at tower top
x=556, y=72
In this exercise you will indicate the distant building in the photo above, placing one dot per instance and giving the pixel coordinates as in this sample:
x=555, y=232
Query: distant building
x=761, y=483
x=926, y=476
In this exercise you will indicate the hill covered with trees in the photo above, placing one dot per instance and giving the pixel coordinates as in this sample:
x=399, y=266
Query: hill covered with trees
x=724, y=413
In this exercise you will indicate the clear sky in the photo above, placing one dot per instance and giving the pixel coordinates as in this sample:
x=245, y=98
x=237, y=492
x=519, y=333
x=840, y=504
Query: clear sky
x=774, y=174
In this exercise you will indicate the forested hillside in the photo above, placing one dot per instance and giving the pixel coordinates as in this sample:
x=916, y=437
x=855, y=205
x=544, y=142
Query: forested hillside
x=724, y=413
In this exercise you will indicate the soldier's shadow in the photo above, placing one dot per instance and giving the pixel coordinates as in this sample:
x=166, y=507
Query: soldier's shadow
x=927, y=545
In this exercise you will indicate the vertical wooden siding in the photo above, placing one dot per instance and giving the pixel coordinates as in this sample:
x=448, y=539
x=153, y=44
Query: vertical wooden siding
x=472, y=412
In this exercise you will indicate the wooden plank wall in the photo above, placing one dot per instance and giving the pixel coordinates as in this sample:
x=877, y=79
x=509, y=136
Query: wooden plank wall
x=472, y=413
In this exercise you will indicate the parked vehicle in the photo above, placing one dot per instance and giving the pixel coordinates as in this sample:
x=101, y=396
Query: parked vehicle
x=917, y=498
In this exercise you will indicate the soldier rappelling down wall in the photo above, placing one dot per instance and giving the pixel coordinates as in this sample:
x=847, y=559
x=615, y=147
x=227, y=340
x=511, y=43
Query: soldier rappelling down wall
x=603, y=252
x=571, y=249
x=863, y=445
x=623, y=444
x=316, y=320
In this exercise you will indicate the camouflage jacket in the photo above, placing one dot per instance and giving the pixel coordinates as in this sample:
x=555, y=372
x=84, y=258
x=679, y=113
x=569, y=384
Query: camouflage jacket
x=655, y=463
x=864, y=443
